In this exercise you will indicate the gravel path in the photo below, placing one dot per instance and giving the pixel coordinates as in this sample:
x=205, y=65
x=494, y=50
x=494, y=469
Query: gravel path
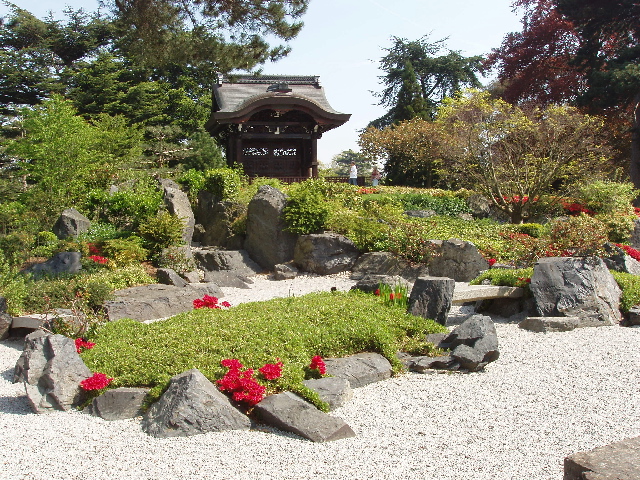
x=548, y=395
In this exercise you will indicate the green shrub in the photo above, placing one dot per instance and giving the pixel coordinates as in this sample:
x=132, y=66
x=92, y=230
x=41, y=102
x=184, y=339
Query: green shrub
x=607, y=197
x=630, y=286
x=505, y=277
x=223, y=183
x=294, y=329
x=193, y=181
x=306, y=210
x=124, y=251
x=619, y=226
x=447, y=205
x=99, y=231
x=175, y=259
x=534, y=230
x=130, y=205
x=162, y=231
x=45, y=244
x=16, y=247
x=579, y=236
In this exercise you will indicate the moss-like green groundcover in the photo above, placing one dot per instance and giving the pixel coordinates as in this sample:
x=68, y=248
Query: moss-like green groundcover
x=291, y=330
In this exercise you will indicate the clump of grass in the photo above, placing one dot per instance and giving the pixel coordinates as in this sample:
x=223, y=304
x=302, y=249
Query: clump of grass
x=630, y=286
x=293, y=330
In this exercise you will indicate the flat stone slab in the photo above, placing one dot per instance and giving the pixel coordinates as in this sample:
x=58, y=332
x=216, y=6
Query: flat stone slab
x=558, y=324
x=290, y=413
x=33, y=322
x=335, y=391
x=464, y=293
x=360, y=369
x=619, y=460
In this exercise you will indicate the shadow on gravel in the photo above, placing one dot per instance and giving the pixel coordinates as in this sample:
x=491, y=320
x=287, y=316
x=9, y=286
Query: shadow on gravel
x=15, y=406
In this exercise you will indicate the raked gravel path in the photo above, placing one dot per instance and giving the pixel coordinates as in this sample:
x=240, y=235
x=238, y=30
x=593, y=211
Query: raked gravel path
x=546, y=397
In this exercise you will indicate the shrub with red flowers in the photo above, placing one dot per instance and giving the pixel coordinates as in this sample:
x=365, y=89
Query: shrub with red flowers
x=575, y=208
x=83, y=344
x=632, y=252
x=99, y=259
x=96, y=382
x=241, y=384
x=209, y=302
x=492, y=262
x=94, y=249
x=317, y=363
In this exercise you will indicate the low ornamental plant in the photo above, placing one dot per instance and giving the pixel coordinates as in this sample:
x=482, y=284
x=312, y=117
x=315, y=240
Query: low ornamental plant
x=632, y=252
x=241, y=384
x=209, y=302
x=83, y=344
x=99, y=259
x=317, y=363
x=392, y=296
x=97, y=381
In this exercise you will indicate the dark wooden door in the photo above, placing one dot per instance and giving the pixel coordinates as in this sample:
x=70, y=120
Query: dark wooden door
x=277, y=158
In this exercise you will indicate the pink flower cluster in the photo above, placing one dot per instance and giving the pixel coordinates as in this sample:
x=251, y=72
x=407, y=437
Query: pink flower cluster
x=83, y=344
x=241, y=384
x=98, y=259
x=96, y=382
x=318, y=364
x=209, y=302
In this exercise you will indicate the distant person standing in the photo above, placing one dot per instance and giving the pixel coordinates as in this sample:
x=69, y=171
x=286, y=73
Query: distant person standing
x=353, y=174
x=375, y=176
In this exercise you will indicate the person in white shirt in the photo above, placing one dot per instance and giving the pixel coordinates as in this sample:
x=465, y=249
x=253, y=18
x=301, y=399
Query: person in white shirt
x=353, y=174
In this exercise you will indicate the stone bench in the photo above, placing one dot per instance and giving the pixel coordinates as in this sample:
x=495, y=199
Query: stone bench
x=464, y=293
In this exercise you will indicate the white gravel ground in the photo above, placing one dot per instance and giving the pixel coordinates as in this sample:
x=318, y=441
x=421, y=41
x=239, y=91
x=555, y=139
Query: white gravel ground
x=547, y=396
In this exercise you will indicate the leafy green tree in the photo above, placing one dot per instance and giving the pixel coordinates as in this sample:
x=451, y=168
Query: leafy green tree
x=514, y=156
x=216, y=36
x=341, y=163
x=438, y=76
x=62, y=157
x=36, y=55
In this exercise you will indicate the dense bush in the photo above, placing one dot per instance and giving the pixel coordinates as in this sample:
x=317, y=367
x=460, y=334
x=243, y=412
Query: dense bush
x=223, y=183
x=124, y=251
x=293, y=330
x=607, y=197
x=306, y=210
x=162, y=231
x=507, y=277
x=630, y=286
x=445, y=205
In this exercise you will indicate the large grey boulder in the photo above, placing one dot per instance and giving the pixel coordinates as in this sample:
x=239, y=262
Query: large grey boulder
x=332, y=390
x=386, y=263
x=474, y=343
x=190, y=406
x=168, y=276
x=267, y=241
x=177, y=203
x=616, y=461
x=150, y=302
x=285, y=271
x=118, y=403
x=227, y=279
x=325, y=253
x=618, y=260
x=70, y=223
x=431, y=297
x=5, y=325
x=360, y=369
x=211, y=259
x=216, y=219
x=576, y=287
x=457, y=259
x=60, y=264
x=52, y=370
x=291, y=413
x=635, y=235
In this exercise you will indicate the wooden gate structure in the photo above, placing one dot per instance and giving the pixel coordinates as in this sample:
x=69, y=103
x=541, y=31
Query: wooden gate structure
x=270, y=124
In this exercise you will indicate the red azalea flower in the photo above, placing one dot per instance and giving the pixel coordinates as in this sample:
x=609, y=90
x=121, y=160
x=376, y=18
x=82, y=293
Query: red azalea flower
x=83, y=344
x=492, y=262
x=96, y=382
x=225, y=304
x=98, y=259
x=377, y=292
x=93, y=249
x=318, y=364
x=198, y=303
x=232, y=363
x=271, y=371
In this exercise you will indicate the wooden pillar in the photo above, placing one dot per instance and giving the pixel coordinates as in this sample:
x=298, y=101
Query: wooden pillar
x=314, y=156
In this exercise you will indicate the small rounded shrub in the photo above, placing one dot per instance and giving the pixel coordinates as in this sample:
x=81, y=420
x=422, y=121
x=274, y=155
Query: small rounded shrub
x=223, y=183
x=162, y=231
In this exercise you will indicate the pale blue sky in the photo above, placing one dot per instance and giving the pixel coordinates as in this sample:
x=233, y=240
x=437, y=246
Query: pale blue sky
x=342, y=42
